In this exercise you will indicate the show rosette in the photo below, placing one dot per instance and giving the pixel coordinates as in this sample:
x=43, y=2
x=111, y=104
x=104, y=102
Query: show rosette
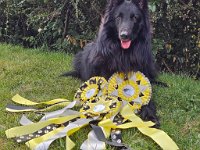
x=108, y=106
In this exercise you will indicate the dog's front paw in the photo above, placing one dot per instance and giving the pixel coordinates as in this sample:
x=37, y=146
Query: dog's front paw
x=148, y=114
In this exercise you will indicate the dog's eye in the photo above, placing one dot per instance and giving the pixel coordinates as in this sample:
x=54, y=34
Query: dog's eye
x=118, y=18
x=133, y=17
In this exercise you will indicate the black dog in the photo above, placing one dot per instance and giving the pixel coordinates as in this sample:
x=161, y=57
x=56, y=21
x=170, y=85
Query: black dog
x=122, y=45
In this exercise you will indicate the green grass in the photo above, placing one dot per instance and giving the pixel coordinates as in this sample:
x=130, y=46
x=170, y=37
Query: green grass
x=34, y=75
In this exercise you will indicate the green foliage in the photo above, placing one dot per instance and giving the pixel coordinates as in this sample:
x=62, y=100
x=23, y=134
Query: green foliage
x=46, y=23
x=67, y=25
x=177, y=26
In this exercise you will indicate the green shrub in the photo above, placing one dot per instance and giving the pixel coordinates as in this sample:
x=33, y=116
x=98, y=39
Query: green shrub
x=177, y=24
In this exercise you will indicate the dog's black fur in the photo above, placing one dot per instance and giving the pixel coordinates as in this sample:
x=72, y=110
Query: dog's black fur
x=124, y=20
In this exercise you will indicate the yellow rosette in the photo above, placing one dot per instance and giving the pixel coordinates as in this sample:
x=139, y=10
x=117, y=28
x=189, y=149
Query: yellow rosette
x=133, y=87
x=128, y=90
x=105, y=107
x=95, y=86
x=102, y=102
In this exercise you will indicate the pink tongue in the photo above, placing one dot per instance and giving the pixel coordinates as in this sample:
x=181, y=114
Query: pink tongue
x=125, y=44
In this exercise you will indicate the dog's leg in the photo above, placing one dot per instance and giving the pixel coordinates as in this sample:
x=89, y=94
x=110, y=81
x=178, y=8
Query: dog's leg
x=148, y=112
x=162, y=84
x=70, y=73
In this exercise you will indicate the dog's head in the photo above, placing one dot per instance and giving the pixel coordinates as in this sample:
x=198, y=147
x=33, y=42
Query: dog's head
x=129, y=19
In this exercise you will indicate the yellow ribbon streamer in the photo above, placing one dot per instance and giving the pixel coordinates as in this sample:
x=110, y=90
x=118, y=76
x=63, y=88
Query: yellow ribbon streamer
x=159, y=136
x=36, y=110
x=34, y=143
x=69, y=143
x=109, y=124
x=28, y=129
x=128, y=113
x=20, y=100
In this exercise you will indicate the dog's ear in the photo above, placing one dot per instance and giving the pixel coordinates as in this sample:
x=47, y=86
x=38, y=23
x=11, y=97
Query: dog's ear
x=114, y=2
x=111, y=5
x=143, y=4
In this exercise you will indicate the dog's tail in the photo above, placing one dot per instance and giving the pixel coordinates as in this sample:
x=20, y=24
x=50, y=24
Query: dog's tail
x=71, y=73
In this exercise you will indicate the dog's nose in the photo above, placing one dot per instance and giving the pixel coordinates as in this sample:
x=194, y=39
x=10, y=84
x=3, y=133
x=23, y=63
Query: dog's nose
x=124, y=35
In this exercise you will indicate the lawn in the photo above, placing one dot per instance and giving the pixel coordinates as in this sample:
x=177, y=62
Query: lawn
x=34, y=74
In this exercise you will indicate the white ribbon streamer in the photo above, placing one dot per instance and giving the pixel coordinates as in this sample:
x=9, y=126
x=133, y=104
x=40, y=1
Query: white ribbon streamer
x=45, y=145
x=25, y=121
x=58, y=113
x=92, y=143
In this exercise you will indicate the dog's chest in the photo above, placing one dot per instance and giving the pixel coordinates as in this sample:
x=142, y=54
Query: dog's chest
x=120, y=63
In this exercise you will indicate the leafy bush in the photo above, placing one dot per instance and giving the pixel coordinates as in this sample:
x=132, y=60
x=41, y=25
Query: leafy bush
x=67, y=25
x=177, y=28
x=46, y=23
